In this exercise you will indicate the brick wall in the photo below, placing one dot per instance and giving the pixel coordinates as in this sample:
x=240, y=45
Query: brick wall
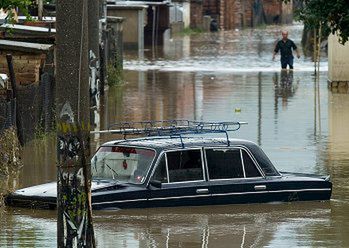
x=287, y=13
x=222, y=14
x=235, y=14
x=272, y=11
x=26, y=66
x=212, y=8
x=196, y=14
x=232, y=14
x=246, y=7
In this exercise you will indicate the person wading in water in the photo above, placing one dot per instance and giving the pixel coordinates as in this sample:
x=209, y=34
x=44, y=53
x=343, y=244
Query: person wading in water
x=285, y=46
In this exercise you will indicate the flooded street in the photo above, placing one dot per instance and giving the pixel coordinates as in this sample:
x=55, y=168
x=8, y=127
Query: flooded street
x=300, y=124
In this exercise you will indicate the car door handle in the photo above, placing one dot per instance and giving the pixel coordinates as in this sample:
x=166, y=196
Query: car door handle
x=260, y=187
x=202, y=191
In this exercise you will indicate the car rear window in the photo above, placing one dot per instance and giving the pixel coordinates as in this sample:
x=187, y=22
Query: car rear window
x=264, y=162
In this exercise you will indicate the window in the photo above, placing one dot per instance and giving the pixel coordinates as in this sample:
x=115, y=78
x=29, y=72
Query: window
x=185, y=166
x=264, y=162
x=127, y=164
x=250, y=168
x=160, y=173
x=224, y=163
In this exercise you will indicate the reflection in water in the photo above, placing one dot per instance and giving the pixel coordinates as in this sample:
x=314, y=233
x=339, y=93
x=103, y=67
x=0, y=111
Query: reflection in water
x=211, y=77
x=39, y=158
x=259, y=137
x=317, y=105
x=285, y=88
x=219, y=226
x=27, y=228
x=8, y=183
x=258, y=225
x=247, y=50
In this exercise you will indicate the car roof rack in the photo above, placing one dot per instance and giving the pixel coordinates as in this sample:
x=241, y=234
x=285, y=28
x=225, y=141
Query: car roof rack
x=172, y=128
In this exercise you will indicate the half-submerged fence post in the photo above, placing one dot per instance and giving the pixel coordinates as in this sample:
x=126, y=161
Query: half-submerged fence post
x=14, y=96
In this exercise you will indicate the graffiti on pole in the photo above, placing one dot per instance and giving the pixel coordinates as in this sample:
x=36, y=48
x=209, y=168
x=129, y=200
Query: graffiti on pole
x=94, y=93
x=94, y=80
x=72, y=196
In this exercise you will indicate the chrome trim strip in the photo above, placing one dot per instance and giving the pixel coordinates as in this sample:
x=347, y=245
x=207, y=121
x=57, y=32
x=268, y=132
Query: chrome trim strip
x=230, y=179
x=260, y=187
x=203, y=164
x=181, y=182
x=206, y=164
x=254, y=161
x=120, y=201
x=178, y=197
x=166, y=164
x=152, y=171
x=273, y=191
x=242, y=163
x=202, y=191
x=207, y=195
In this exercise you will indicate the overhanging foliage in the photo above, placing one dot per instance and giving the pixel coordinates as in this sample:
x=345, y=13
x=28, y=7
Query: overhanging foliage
x=332, y=14
x=22, y=5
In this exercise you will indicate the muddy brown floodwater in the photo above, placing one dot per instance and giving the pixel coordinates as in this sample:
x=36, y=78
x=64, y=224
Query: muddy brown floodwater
x=300, y=124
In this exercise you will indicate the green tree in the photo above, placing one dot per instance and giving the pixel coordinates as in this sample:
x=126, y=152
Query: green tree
x=332, y=15
x=21, y=5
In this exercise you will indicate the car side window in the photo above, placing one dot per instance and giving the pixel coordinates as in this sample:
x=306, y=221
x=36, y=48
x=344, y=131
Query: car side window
x=185, y=166
x=224, y=163
x=160, y=173
x=250, y=168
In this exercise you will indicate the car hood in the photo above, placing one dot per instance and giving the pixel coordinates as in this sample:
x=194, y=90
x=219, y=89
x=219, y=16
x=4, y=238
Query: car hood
x=50, y=189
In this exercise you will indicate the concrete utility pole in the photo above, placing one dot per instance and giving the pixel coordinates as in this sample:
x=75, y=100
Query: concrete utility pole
x=74, y=222
x=102, y=44
x=93, y=51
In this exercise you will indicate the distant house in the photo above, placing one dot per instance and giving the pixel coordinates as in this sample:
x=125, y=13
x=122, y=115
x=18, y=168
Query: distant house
x=231, y=14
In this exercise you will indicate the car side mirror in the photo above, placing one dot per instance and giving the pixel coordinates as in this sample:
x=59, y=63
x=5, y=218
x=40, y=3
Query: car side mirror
x=155, y=183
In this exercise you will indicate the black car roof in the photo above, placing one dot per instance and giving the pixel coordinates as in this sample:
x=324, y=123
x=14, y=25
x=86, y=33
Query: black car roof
x=165, y=142
x=173, y=143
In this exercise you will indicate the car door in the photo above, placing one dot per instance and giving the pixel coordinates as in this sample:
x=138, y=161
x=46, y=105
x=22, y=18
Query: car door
x=179, y=179
x=233, y=176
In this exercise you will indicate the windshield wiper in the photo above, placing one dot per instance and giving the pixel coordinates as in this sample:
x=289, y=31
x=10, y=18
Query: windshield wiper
x=113, y=171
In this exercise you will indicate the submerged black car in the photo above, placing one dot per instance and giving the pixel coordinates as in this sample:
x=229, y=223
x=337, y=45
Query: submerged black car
x=186, y=171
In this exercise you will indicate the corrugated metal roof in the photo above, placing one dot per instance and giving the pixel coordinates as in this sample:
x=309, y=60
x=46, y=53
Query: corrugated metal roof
x=24, y=46
x=25, y=28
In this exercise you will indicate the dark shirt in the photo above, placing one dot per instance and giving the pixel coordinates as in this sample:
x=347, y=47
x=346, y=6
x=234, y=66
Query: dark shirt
x=285, y=48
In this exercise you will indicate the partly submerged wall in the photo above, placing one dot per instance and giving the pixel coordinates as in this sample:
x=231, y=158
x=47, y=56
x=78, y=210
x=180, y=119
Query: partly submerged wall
x=338, y=64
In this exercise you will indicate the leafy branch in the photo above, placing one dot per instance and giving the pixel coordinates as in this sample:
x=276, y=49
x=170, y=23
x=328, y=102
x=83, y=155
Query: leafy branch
x=9, y=5
x=332, y=15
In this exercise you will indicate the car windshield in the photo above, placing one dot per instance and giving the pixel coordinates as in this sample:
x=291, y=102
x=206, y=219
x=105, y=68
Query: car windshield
x=127, y=164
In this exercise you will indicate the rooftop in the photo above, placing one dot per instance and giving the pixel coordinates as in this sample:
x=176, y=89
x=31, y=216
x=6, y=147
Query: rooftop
x=167, y=142
x=27, y=29
x=24, y=46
